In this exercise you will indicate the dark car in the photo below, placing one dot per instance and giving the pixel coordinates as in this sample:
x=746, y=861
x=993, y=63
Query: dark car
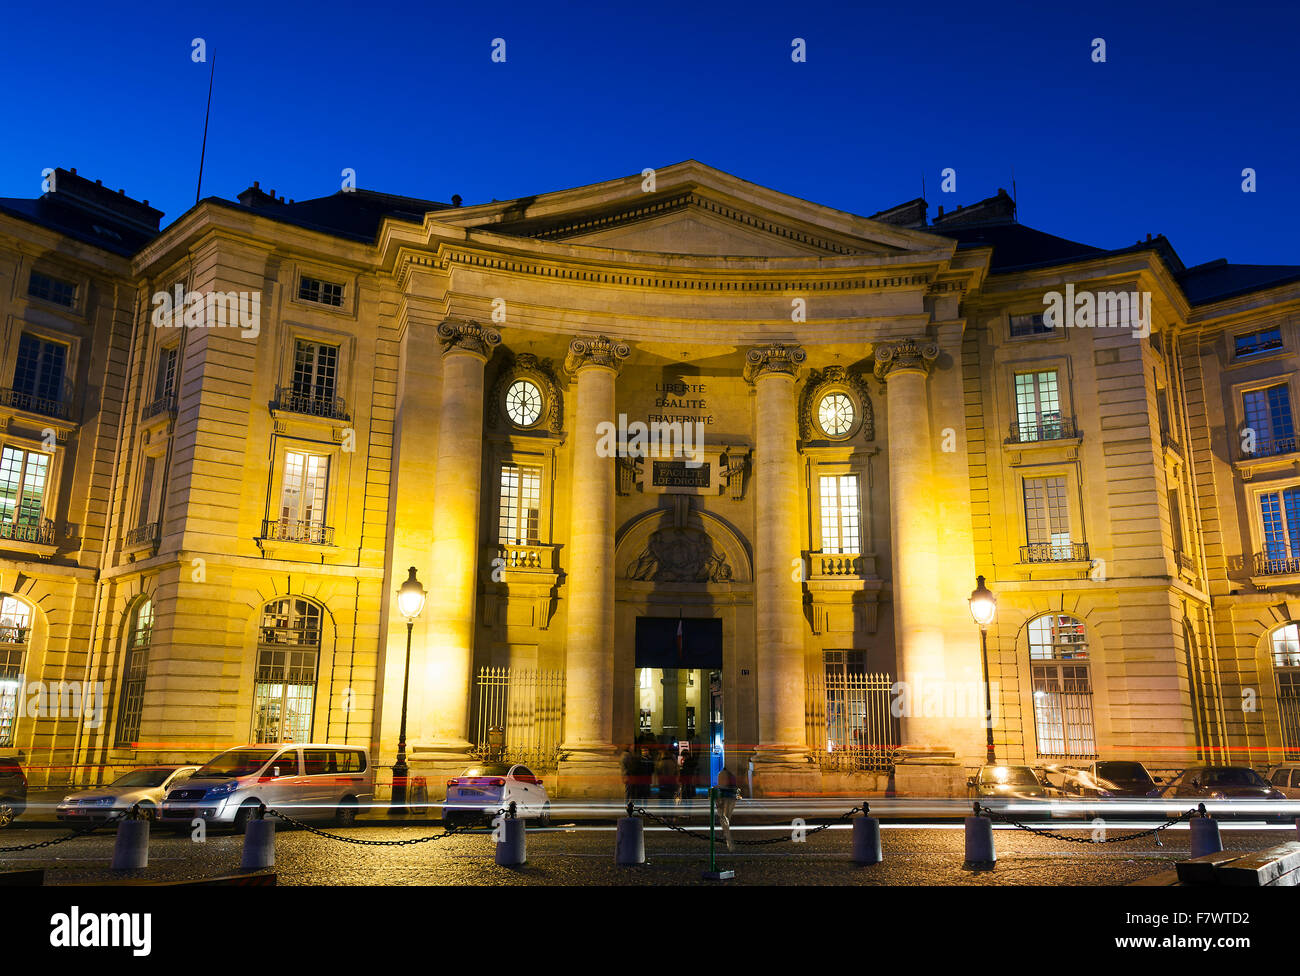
x=1224, y=783
x=13, y=791
x=1007, y=783
x=1113, y=778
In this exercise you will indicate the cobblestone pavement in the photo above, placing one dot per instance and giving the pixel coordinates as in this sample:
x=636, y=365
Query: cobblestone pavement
x=583, y=855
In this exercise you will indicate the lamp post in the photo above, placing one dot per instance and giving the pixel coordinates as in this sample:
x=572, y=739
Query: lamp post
x=410, y=603
x=983, y=605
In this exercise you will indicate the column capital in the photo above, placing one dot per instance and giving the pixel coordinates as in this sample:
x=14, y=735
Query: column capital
x=904, y=354
x=462, y=335
x=775, y=357
x=597, y=351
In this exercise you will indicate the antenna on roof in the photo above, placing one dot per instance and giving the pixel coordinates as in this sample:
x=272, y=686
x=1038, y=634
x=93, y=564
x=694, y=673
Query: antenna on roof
x=1015, y=205
x=206, y=116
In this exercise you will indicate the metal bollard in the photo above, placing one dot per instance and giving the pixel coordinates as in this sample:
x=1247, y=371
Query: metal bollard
x=131, y=848
x=866, y=838
x=1205, y=834
x=629, y=843
x=259, y=842
x=980, y=854
x=512, y=849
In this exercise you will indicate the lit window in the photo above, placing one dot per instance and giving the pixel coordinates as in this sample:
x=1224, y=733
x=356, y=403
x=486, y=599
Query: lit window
x=1286, y=646
x=15, y=631
x=1038, y=406
x=303, y=492
x=23, y=477
x=840, y=514
x=135, y=671
x=315, y=370
x=523, y=403
x=1047, y=519
x=1057, y=637
x=165, y=381
x=835, y=414
x=284, y=689
x=54, y=290
x=521, y=504
x=321, y=292
x=1062, y=686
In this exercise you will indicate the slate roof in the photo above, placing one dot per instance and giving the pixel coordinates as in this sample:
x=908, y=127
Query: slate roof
x=96, y=229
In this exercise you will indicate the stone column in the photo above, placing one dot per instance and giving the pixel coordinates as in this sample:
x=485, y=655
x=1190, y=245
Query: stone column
x=782, y=762
x=589, y=762
x=914, y=499
x=452, y=574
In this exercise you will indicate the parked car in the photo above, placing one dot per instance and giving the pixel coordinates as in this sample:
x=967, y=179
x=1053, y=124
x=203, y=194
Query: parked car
x=1223, y=783
x=311, y=781
x=485, y=789
x=146, y=786
x=1007, y=783
x=13, y=790
x=1285, y=778
x=1111, y=778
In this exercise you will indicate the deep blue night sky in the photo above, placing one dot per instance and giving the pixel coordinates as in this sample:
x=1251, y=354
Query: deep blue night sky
x=1152, y=141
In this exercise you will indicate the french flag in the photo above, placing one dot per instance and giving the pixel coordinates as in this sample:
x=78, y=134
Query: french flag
x=679, y=639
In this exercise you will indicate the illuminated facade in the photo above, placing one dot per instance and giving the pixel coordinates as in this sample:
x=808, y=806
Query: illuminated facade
x=674, y=455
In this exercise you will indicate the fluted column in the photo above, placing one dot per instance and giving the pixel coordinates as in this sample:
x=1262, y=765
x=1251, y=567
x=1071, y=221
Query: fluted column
x=452, y=577
x=903, y=365
x=778, y=592
x=589, y=763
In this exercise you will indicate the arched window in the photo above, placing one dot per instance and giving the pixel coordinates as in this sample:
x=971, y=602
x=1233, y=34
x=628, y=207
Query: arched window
x=1285, y=644
x=135, y=670
x=1058, y=659
x=15, y=632
x=288, y=654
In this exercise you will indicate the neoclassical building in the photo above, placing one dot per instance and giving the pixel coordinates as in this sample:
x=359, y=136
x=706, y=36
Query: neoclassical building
x=675, y=456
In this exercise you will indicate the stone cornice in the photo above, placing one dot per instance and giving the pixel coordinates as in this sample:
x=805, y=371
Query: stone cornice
x=904, y=354
x=775, y=357
x=597, y=351
x=461, y=335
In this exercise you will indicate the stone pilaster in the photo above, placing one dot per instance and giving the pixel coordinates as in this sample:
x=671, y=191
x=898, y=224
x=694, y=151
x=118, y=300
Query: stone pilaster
x=781, y=760
x=903, y=365
x=452, y=577
x=589, y=763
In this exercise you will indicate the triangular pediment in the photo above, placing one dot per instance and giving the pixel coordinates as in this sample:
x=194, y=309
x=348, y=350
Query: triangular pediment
x=692, y=209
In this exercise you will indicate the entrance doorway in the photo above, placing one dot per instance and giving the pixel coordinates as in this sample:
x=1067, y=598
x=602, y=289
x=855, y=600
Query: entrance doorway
x=679, y=695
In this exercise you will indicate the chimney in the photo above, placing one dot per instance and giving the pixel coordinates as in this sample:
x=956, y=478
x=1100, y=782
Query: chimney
x=96, y=198
x=455, y=199
x=255, y=196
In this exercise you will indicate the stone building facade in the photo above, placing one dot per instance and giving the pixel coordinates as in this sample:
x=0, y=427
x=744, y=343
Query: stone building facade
x=674, y=455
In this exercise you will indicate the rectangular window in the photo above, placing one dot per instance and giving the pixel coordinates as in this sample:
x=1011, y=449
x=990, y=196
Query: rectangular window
x=283, y=695
x=840, y=515
x=1257, y=343
x=38, y=373
x=1063, y=710
x=1029, y=325
x=1268, y=414
x=165, y=381
x=302, y=497
x=315, y=370
x=1176, y=519
x=1038, y=406
x=521, y=504
x=321, y=292
x=145, y=514
x=1280, y=515
x=1047, y=515
x=23, y=477
x=54, y=290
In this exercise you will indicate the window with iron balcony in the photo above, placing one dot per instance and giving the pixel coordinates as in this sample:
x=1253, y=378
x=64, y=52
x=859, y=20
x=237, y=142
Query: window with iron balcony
x=313, y=390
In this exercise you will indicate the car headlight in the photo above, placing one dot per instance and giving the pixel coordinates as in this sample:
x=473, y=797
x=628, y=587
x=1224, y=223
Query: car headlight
x=70, y=798
x=224, y=789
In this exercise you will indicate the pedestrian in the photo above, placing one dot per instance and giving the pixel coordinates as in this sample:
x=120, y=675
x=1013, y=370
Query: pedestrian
x=667, y=773
x=645, y=773
x=690, y=764
x=728, y=794
x=629, y=765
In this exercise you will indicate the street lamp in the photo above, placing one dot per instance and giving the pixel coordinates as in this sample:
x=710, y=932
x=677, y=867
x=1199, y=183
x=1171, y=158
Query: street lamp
x=983, y=606
x=410, y=603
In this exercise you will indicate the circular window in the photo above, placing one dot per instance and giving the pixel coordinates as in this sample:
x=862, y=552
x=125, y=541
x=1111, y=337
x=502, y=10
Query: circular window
x=523, y=403
x=835, y=414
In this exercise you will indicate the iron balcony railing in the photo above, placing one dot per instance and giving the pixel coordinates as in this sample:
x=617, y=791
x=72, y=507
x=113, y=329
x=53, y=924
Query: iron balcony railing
x=1185, y=560
x=1054, y=552
x=311, y=404
x=39, y=531
x=141, y=535
x=1047, y=429
x=164, y=404
x=298, y=530
x=1276, y=562
x=1270, y=447
x=45, y=406
x=850, y=720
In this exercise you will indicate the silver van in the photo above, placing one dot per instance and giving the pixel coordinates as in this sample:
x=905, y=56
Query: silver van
x=311, y=781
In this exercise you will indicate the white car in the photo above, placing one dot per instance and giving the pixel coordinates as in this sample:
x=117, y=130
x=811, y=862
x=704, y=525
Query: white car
x=485, y=789
x=1285, y=778
x=146, y=786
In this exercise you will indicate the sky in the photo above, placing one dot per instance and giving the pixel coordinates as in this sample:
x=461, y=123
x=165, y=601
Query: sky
x=1152, y=140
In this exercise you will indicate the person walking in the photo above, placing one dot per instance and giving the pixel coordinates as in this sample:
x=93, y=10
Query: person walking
x=728, y=794
x=629, y=766
x=667, y=773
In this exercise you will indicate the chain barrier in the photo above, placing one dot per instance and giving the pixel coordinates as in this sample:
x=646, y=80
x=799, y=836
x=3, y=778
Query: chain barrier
x=1003, y=818
x=785, y=838
x=447, y=831
x=80, y=832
